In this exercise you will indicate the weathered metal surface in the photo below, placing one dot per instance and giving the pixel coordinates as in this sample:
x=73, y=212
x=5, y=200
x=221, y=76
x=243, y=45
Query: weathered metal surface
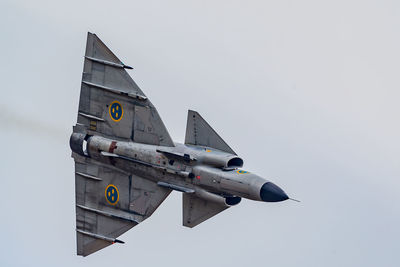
x=126, y=163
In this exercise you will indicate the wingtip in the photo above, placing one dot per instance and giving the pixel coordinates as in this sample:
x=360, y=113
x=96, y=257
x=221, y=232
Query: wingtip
x=91, y=34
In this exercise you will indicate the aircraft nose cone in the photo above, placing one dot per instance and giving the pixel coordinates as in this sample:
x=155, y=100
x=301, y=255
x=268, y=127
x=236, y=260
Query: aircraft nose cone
x=272, y=193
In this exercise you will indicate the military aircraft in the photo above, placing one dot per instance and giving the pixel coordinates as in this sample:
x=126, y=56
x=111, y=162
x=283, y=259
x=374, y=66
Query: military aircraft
x=126, y=163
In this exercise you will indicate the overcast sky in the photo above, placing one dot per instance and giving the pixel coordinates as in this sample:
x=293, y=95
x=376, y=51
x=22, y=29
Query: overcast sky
x=307, y=92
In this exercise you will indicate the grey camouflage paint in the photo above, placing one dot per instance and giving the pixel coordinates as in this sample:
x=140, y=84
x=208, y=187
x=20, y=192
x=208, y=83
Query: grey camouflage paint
x=126, y=163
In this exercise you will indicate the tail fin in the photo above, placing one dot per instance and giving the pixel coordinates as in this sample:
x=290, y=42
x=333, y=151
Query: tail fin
x=111, y=104
x=200, y=133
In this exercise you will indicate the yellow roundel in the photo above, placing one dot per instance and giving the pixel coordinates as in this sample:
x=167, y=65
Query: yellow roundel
x=241, y=172
x=116, y=111
x=112, y=194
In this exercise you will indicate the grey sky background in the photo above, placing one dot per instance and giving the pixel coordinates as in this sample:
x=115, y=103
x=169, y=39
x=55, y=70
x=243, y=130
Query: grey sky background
x=307, y=92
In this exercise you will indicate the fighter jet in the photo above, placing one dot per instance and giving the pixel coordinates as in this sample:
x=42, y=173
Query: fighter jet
x=126, y=163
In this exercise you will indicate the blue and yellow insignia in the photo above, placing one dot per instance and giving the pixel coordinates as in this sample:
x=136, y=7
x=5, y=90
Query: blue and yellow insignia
x=112, y=194
x=116, y=111
x=241, y=172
